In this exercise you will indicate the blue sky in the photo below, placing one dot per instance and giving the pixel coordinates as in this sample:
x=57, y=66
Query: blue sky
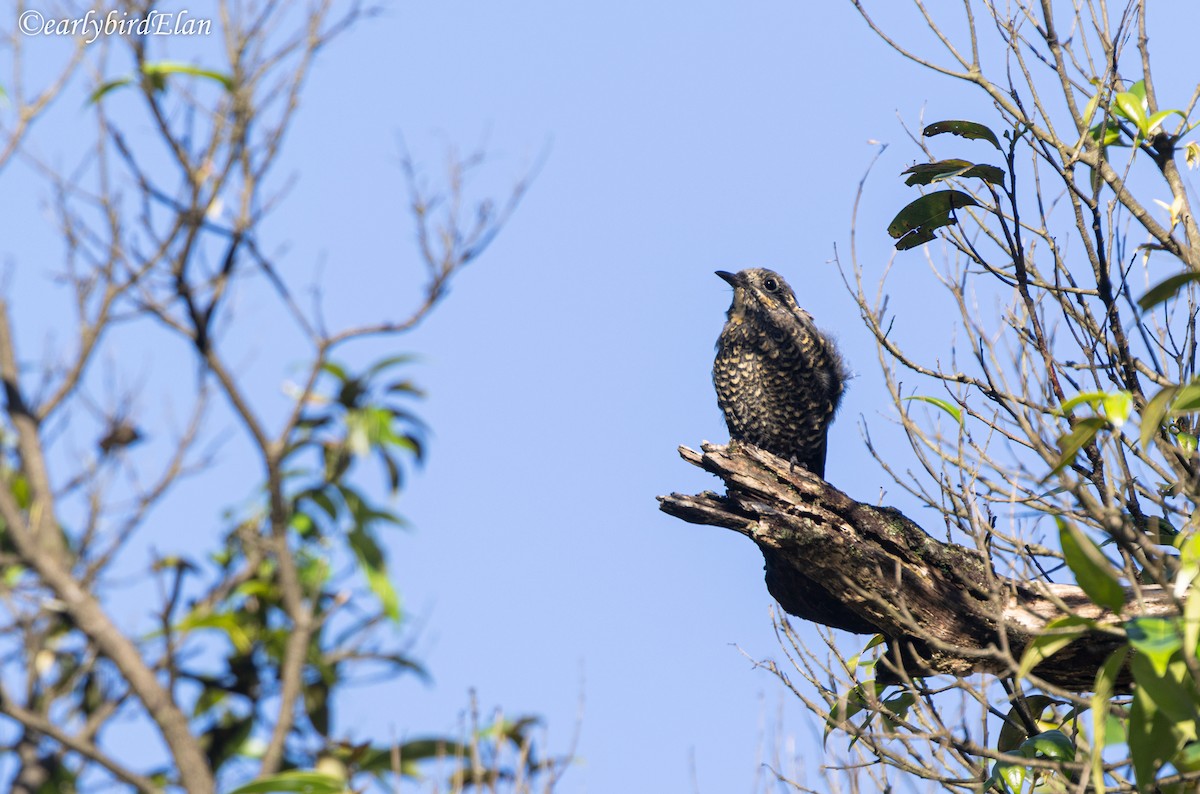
x=569, y=362
x=568, y=366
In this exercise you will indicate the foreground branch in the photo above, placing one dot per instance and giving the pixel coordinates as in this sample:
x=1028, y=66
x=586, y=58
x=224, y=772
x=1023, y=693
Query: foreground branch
x=869, y=569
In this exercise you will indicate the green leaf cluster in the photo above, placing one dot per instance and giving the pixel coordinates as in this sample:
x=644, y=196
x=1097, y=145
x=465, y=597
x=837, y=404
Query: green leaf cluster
x=1012, y=775
x=502, y=751
x=867, y=696
x=916, y=223
x=345, y=417
x=1131, y=106
x=1161, y=722
x=154, y=75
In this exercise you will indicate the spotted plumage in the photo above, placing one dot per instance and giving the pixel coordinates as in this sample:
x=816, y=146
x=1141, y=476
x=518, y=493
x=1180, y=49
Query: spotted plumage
x=779, y=379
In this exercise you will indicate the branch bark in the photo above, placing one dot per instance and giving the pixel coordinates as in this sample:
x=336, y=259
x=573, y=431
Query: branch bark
x=866, y=569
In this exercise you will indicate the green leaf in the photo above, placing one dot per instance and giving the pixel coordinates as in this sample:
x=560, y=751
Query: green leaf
x=1142, y=743
x=1157, y=638
x=1106, y=678
x=257, y=588
x=1051, y=744
x=900, y=703
x=298, y=781
x=106, y=87
x=378, y=760
x=1005, y=777
x=404, y=387
x=322, y=500
x=914, y=238
x=21, y=491
x=1158, y=529
x=364, y=513
x=1092, y=398
x=1013, y=731
x=393, y=473
x=1094, y=573
x=316, y=706
x=1128, y=104
x=351, y=393
x=1188, y=399
x=966, y=129
x=1090, y=109
x=928, y=173
x=852, y=662
x=1154, y=413
x=156, y=73
x=1117, y=405
x=1189, y=553
x=515, y=732
x=1166, y=289
x=850, y=703
x=314, y=570
x=945, y=405
x=158, y=70
x=1076, y=439
x=1106, y=134
x=378, y=421
x=1058, y=634
x=336, y=370
x=1191, y=607
x=917, y=221
x=388, y=363
x=374, y=567
x=1167, y=689
x=12, y=574
x=1188, y=760
x=1116, y=731
x=1158, y=118
x=302, y=523
x=988, y=173
x=1152, y=739
x=224, y=621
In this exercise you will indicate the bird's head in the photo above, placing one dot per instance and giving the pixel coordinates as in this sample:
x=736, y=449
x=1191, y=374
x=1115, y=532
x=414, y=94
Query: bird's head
x=765, y=296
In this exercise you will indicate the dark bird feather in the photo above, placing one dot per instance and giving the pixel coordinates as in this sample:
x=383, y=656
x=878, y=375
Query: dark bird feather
x=779, y=379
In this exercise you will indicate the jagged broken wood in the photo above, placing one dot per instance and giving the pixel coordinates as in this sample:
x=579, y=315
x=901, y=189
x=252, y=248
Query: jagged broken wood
x=868, y=569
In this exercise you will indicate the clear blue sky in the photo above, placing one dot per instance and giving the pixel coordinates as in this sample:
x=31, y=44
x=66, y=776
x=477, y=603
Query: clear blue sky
x=565, y=370
x=572, y=359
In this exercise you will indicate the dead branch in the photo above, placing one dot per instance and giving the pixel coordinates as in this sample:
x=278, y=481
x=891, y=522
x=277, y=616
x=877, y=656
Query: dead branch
x=867, y=569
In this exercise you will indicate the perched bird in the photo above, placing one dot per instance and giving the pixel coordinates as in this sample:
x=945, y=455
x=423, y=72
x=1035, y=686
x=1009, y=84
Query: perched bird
x=120, y=434
x=779, y=380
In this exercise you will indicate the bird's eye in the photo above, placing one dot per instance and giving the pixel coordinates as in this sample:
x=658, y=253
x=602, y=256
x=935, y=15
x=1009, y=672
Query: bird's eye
x=770, y=284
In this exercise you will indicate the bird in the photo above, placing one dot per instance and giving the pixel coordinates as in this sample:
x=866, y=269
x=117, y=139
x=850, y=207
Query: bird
x=120, y=434
x=779, y=379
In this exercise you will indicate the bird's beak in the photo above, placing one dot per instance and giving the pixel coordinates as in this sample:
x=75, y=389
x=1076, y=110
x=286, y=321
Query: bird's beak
x=732, y=278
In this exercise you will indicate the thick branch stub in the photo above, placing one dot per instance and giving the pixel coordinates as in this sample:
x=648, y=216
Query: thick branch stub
x=868, y=569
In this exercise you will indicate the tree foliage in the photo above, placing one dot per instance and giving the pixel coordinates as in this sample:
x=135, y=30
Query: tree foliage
x=1072, y=454
x=239, y=651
